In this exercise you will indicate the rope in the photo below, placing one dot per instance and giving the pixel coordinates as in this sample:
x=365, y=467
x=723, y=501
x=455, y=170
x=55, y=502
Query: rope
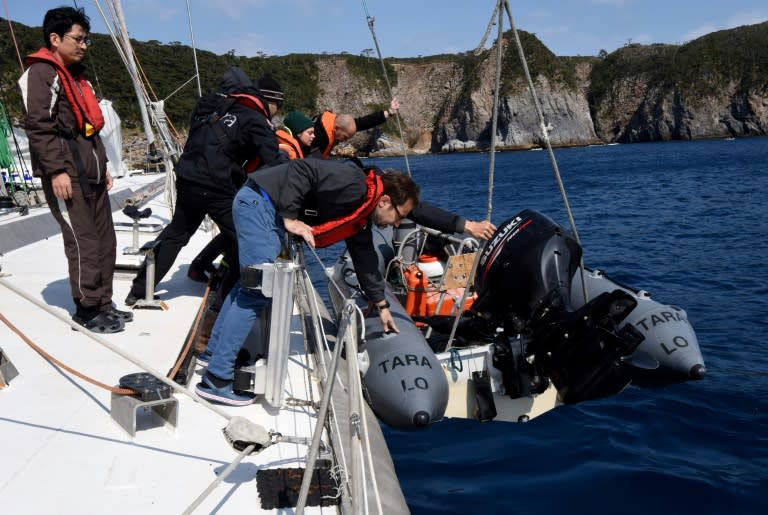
x=371, y=20
x=51, y=359
x=193, y=332
x=545, y=128
x=117, y=350
x=13, y=36
x=494, y=122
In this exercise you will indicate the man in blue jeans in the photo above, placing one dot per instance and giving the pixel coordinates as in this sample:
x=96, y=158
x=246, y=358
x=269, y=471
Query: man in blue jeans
x=322, y=202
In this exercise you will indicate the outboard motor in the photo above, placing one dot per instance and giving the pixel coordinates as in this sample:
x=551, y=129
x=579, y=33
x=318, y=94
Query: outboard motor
x=526, y=268
x=523, y=283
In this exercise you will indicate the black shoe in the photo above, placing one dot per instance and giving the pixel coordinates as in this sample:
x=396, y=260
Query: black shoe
x=132, y=299
x=196, y=274
x=98, y=322
x=125, y=316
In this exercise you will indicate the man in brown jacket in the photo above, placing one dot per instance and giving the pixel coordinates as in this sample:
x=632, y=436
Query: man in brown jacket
x=63, y=120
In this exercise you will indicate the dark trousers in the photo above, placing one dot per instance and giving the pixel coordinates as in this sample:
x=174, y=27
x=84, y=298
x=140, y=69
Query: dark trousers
x=216, y=247
x=192, y=204
x=89, y=242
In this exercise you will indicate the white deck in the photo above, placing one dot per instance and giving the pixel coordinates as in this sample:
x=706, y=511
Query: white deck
x=61, y=450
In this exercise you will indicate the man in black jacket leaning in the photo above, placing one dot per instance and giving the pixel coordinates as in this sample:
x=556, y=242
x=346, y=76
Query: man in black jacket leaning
x=229, y=128
x=322, y=202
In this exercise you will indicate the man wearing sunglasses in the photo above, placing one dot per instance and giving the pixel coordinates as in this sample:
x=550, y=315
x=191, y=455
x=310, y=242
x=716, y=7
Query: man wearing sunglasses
x=63, y=120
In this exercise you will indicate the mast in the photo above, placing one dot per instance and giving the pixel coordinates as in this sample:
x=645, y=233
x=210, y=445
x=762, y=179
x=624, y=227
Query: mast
x=124, y=42
x=165, y=150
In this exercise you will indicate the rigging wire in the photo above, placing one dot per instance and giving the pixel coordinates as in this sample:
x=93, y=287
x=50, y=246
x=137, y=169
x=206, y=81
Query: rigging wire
x=194, y=53
x=495, y=119
x=364, y=450
x=371, y=21
x=13, y=36
x=545, y=128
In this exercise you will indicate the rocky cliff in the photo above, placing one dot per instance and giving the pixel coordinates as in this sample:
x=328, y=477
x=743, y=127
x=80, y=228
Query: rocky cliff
x=639, y=93
x=714, y=86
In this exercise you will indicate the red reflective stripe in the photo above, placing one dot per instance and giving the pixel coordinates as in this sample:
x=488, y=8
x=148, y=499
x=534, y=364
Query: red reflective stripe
x=257, y=105
x=251, y=101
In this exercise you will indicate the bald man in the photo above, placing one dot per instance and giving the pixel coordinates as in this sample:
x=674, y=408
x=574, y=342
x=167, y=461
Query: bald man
x=332, y=128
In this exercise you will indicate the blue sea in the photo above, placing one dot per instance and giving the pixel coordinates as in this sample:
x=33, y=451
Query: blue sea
x=687, y=221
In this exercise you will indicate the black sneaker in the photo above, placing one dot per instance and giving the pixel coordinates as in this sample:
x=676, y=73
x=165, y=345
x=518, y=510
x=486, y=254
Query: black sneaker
x=197, y=275
x=132, y=299
x=223, y=394
x=98, y=322
x=125, y=316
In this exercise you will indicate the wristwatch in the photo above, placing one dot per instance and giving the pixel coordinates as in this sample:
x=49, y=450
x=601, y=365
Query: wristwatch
x=379, y=307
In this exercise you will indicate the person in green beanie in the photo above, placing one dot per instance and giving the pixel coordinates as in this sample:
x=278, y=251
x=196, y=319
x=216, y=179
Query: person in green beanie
x=296, y=135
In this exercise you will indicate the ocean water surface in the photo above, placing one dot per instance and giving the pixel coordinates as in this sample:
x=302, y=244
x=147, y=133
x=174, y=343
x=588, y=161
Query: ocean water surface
x=686, y=221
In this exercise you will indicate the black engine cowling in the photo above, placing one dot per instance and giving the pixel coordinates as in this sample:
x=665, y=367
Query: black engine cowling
x=528, y=262
x=523, y=282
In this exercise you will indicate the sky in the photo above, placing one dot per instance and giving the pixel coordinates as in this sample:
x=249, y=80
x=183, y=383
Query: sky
x=406, y=28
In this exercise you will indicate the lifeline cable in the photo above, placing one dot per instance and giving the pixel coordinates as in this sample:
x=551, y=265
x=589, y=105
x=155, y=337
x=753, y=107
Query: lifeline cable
x=20, y=156
x=355, y=385
x=116, y=349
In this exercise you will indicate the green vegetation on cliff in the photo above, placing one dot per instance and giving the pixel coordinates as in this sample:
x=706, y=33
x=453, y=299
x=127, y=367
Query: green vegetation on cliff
x=167, y=67
x=704, y=67
x=541, y=61
x=708, y=66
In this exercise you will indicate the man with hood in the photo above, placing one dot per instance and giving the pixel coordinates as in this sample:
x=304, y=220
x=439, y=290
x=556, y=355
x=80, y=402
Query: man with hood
x=231, y=135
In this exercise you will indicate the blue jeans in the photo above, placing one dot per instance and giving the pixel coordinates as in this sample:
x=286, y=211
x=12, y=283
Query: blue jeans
x=259, y=235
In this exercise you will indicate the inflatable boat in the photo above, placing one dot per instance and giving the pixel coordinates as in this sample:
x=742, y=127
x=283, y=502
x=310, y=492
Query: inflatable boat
x=506, y=331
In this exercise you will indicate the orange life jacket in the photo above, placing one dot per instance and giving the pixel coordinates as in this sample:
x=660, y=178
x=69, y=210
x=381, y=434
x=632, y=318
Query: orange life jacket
x=78, y=91
x=328, y=121
x=343, y=227
x=289, y=144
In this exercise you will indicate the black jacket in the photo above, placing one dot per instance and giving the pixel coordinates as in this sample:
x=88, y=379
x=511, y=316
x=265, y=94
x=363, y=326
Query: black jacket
x=224, y=136
x=333, y=189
